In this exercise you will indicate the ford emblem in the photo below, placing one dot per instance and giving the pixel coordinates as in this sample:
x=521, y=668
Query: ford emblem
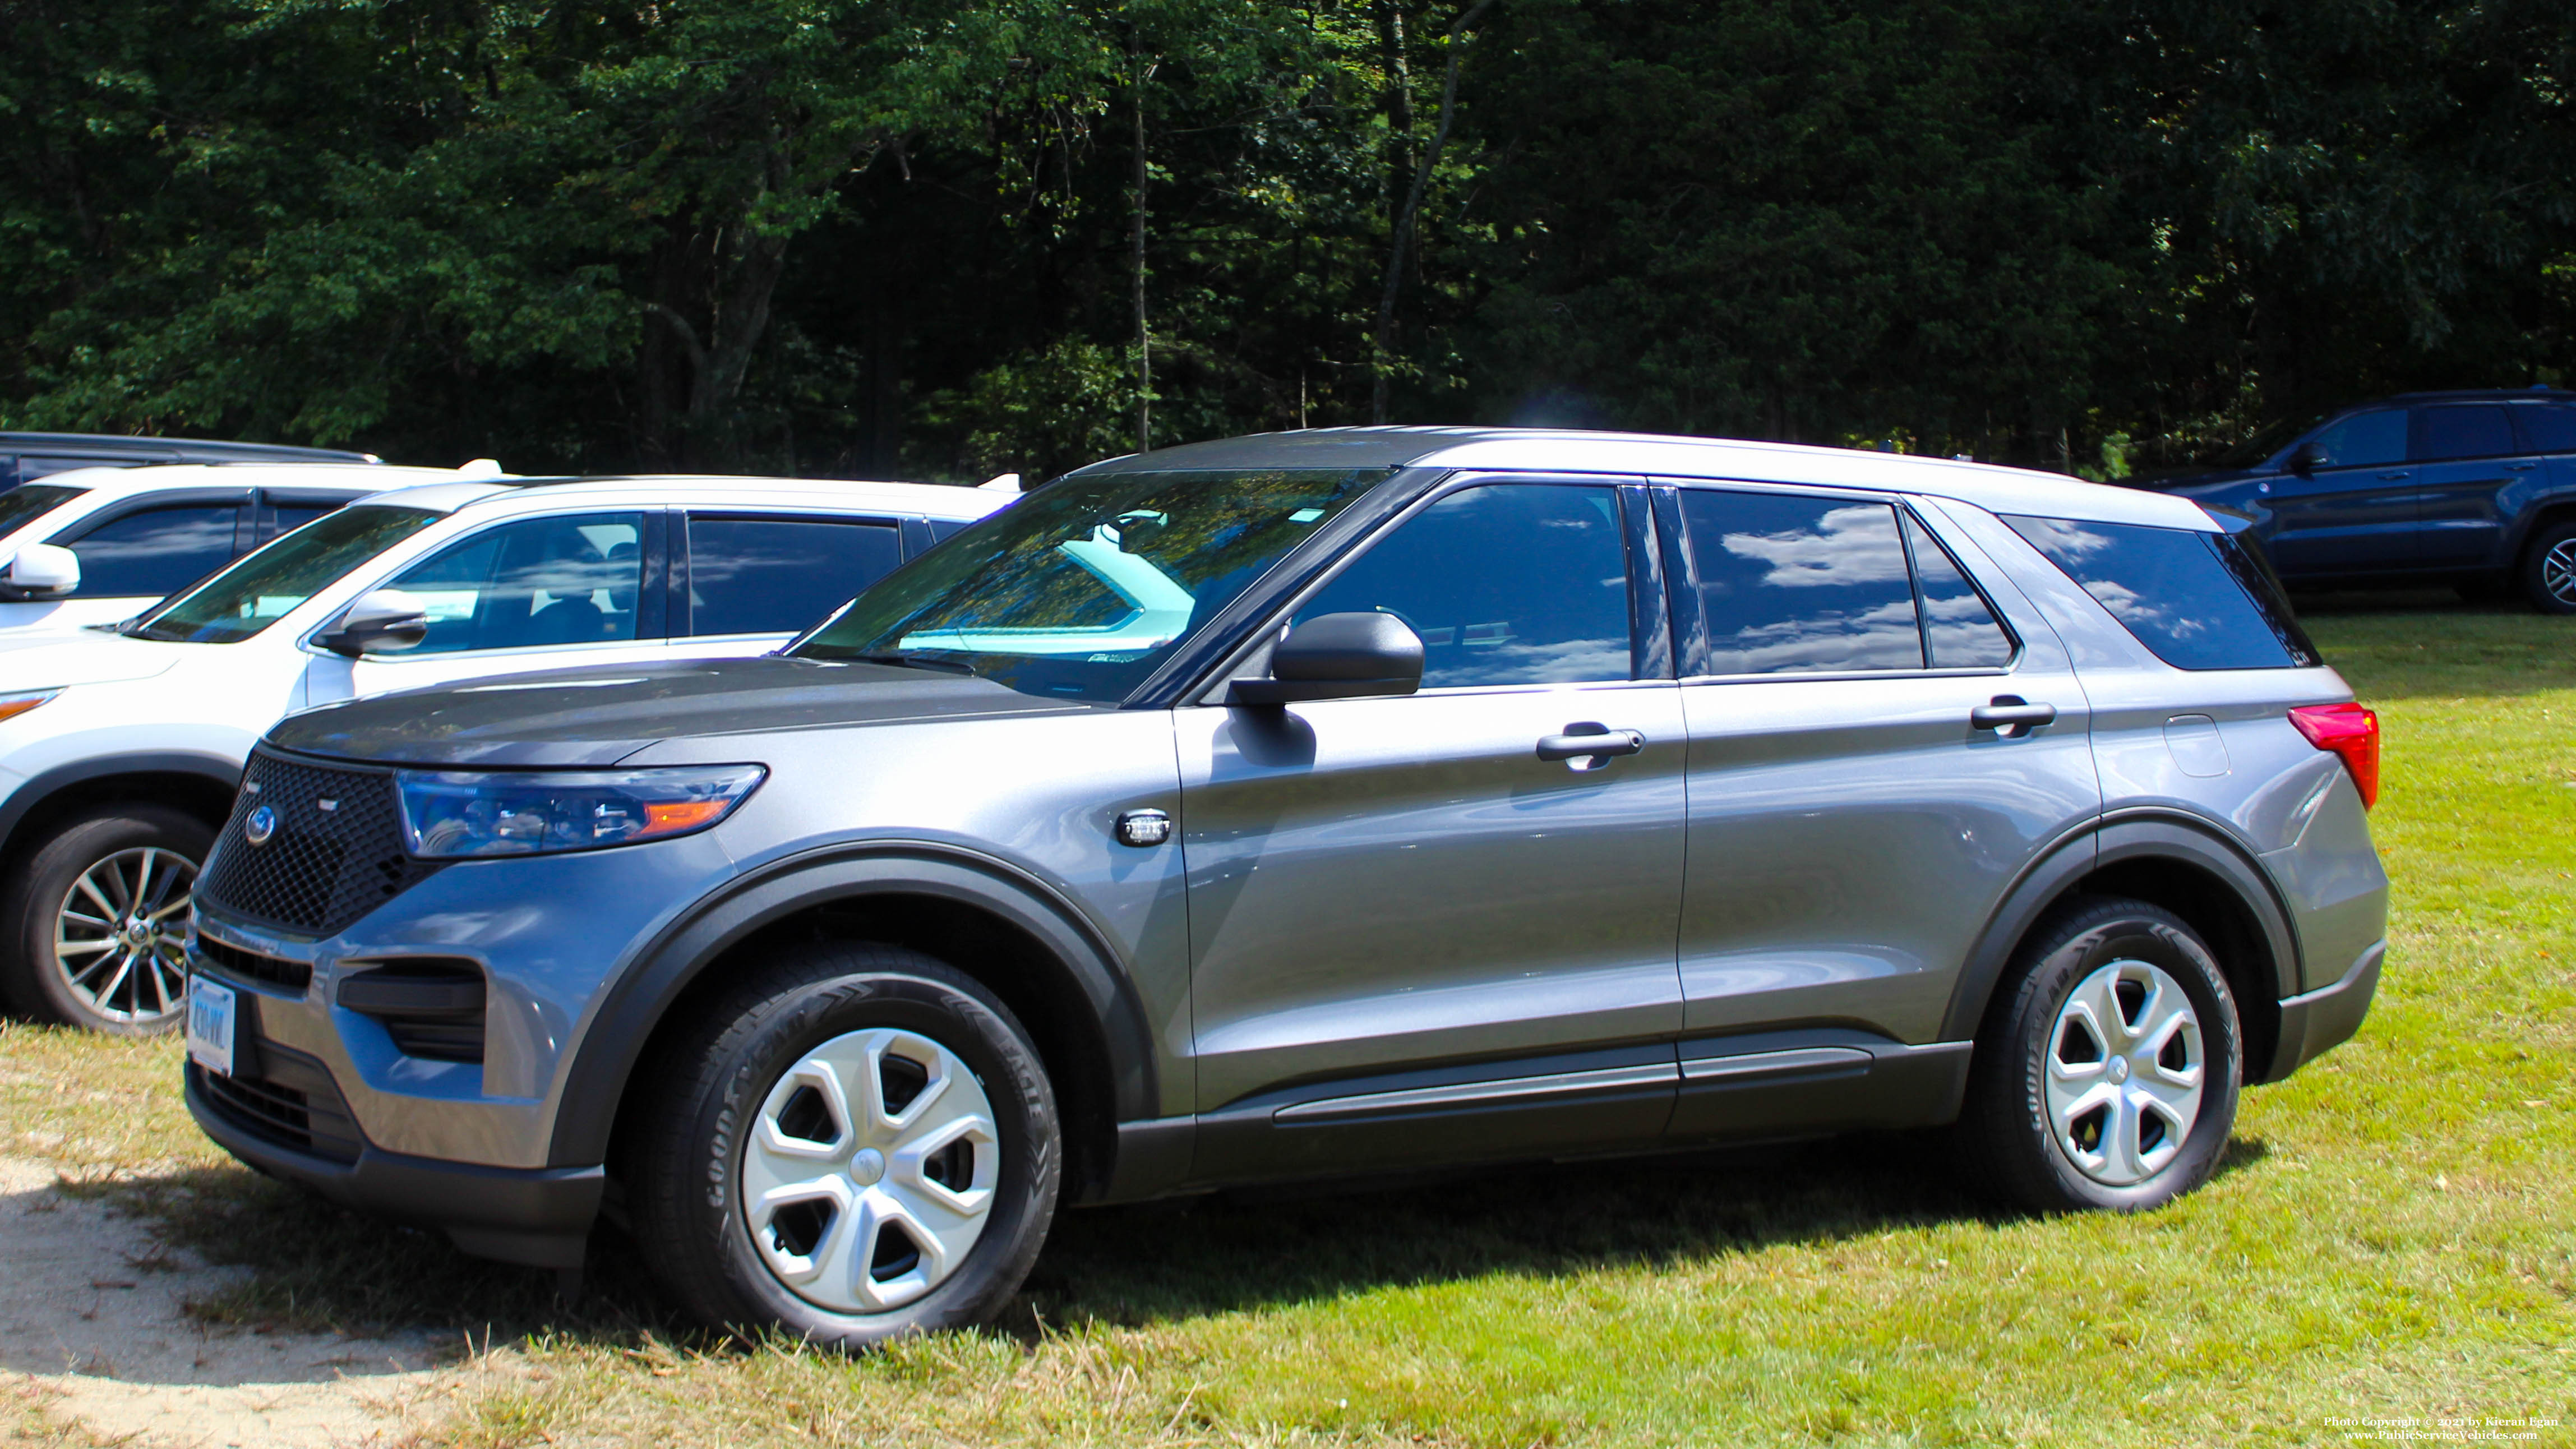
x=260, y=826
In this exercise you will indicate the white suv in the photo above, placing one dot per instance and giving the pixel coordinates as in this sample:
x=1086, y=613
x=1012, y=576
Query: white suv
x=95, y=545
x=120, y=748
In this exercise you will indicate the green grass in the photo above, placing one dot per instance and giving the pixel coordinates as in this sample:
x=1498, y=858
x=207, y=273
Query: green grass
x=2393, y=1233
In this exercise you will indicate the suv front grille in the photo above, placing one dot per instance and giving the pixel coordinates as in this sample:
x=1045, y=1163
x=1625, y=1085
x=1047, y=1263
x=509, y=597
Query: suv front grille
x=336, y=852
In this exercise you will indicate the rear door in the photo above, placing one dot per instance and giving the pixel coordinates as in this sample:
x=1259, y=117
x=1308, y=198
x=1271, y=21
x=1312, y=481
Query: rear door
x=2466, y=457
x=1414, y=939
x=1851, y=828
x=2356, y=512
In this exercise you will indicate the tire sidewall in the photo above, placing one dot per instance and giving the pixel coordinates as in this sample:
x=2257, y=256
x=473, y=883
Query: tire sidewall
x=2143, y=935
x=789, y=1026
x=36, y=984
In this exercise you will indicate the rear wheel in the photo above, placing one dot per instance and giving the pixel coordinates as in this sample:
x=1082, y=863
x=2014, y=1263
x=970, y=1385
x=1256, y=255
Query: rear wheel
x=861, y=1144
x=97, y=922
x=2106, y=1076
x=2549, y=569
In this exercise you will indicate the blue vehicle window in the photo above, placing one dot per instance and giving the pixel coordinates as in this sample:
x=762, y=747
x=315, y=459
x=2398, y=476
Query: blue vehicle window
x=776, y=576
x=2198, y=600
x=1959, y=631
x=1507, y=583
x=1790, y=584
x=543, y=581
x=2365, y=439
x=2474, y=431
x=155, y=552
x=2549, y=429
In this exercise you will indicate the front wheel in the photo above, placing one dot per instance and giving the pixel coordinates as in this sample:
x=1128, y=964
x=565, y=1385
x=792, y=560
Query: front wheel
x=860, y=1144
x=2106, y=1076
x=97, y=920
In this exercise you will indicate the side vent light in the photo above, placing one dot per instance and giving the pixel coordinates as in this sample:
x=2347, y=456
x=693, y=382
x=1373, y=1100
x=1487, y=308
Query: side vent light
x=432, y=1008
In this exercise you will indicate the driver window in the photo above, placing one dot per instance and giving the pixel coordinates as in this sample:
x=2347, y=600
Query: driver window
x=1509, y=583
x=539, y=582
x=2365, y=440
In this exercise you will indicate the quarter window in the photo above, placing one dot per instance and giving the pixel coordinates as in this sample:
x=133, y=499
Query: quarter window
x=1793, y=585
x=1959, y=630
x=155, y=552
x=1509, y=583
x=2198, y=600
x=2550, y=429
x=776, y=576
x=543, y=581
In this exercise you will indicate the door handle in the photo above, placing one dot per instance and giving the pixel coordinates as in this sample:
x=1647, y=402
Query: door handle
x=2520, y=467
x=1589, y=746
x=2011, y=716
x=2393, y=477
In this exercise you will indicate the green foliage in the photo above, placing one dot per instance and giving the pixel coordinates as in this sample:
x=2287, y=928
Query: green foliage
x=894, y=236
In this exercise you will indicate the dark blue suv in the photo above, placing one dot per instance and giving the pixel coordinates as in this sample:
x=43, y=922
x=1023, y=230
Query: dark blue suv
x=2476, y=489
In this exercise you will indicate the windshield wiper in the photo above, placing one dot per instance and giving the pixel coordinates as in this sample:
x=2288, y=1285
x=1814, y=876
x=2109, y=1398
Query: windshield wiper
x=912, y=661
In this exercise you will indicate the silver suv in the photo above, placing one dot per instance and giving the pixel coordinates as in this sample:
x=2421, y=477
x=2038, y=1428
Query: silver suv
x=1312, y=805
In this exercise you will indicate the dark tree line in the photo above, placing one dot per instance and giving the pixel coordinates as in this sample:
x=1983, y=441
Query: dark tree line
x=953, y=237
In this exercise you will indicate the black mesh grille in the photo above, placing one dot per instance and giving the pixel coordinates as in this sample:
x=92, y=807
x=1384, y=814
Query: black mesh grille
x=243, y=965
x=336, y=852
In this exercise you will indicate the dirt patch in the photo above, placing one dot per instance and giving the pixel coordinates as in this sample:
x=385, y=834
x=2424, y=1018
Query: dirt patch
x=93, y=1323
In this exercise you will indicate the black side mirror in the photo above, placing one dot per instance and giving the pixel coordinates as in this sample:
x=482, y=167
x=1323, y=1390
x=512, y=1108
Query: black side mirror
x=1339, y=656
x=2309, y=458
x=381, y=622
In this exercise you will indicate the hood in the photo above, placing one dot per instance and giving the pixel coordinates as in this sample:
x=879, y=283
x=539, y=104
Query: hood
x=47, y=660
x=597, y=717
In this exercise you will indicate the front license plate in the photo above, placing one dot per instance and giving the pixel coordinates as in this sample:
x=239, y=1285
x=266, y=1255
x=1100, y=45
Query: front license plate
x=210, y=1025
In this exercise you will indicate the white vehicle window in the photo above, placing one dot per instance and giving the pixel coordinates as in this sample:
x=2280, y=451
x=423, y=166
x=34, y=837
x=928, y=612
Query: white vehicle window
x=780, y=575
x=261, y=589
x=533, y=583
x=155, y=551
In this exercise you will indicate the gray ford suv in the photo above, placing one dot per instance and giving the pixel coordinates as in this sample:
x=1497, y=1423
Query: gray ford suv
x=1302, y=806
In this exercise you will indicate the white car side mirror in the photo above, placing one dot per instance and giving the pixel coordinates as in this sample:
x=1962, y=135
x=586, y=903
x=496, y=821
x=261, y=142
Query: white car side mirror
x=383, y=621
x=41, y=571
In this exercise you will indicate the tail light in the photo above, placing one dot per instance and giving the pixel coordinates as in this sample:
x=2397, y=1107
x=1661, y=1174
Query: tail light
x=2351, y=732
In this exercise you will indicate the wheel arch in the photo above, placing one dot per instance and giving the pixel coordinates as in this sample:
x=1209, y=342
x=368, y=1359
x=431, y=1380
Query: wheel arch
x=1014, y=935
x=2542, y=516
x=2166, y=859
x=202, y=785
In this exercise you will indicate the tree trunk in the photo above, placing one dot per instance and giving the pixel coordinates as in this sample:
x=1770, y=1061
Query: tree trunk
x=1401, y=245
x=1136, y=268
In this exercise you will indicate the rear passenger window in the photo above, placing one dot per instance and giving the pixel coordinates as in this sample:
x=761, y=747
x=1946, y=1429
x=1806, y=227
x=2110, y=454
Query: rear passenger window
x=776, y=575
x=2481, y=431
x=2198, y=600
x=1789, y=584
x=156, y=552
x=2548, y=429
x=1959, y=631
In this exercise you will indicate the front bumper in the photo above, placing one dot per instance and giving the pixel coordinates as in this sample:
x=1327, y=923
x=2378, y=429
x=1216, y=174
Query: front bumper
x=2315, y=1022
x=540, y=1217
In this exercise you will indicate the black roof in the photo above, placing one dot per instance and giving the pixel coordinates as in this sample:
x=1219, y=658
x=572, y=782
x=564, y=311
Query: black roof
x=172, y=450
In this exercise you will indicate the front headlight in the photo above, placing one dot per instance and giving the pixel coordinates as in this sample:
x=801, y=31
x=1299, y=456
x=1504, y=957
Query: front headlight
x=14, y=705
x=448, y=813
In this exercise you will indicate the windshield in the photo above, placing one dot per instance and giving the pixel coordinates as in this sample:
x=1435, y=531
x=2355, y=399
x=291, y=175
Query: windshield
x=255, y=593
x=30, y=499
x=2265, y=441
x=1082, y=588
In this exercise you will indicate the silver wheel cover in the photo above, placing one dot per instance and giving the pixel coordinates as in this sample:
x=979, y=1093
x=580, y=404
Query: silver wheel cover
x=121, y=933
x=830, y=1170
x=2558, y=571
x=2125, y=1073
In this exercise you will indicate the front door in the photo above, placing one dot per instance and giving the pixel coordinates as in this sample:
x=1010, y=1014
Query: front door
x=1399, y=911
x=1851, y=827
x=2355, y=512
x=556, y=592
